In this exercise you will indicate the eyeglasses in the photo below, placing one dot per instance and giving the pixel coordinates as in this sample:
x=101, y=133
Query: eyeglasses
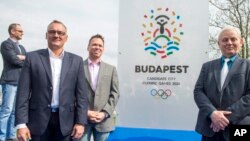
x=54, y=32
x=20, y=31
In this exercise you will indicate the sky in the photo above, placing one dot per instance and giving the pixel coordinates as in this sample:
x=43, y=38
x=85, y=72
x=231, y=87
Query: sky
x=83, y=19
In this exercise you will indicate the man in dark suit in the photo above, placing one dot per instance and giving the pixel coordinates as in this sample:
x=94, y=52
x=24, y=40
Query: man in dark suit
x=103, y=92
x=222, y=91
x=51, y=102
x=13, y=55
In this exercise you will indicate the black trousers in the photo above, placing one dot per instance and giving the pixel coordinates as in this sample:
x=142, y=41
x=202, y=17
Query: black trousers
x=217, y=137
x=53, y=132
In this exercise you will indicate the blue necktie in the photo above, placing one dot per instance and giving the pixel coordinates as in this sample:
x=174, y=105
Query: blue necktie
x=224, y=71
x=17, y=45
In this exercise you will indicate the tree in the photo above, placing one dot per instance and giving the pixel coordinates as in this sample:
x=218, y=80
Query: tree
x=234, y=13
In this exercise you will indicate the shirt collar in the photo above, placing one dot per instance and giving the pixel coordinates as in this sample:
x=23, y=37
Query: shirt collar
x=231, y=58
x=91, y=62
x=14, y=40
x=51, y=54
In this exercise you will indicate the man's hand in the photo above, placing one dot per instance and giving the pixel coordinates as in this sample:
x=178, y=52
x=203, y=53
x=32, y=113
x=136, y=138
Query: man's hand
x=219, y=120
x=23, y=134
x=78, y=131
x=100, y=116
x=92, y=115
x=95, y=116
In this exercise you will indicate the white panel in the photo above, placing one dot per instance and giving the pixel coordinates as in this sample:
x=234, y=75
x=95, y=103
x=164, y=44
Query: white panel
x=173, y=59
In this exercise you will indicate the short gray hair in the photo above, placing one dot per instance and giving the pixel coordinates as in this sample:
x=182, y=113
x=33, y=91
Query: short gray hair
x=58, y=22
x=226, y=28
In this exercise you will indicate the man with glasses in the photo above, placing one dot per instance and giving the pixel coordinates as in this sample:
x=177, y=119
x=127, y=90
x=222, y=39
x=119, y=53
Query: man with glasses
x=13, y=55
x=51, y=103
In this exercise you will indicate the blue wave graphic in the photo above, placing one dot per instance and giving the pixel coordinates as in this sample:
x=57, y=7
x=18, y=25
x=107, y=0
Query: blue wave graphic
x=150, y=48
x=170, y=42
x=173, y=48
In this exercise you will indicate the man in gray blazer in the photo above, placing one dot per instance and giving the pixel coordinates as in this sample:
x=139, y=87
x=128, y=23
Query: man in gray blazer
x=222, y=104
x=51, y=102
x=13, y=55
x=103, y=92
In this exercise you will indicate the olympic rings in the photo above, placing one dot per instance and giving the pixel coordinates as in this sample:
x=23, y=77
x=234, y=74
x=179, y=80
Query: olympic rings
x=161, y=93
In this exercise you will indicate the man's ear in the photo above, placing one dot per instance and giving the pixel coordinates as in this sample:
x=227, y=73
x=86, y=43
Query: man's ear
x=12, y=32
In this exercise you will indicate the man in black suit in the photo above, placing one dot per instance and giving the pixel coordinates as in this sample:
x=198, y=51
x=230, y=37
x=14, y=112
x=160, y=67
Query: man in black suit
x=13, y=55
x=222, y=91
x=51, y=100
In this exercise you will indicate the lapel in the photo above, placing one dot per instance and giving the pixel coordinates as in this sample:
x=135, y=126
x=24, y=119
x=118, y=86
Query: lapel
x=44, y=56
x=66, y=65
x=15, y=46
x=217, y=72
x=232, y=71
x=87, y=73
x=100, y=75
x=23, y=51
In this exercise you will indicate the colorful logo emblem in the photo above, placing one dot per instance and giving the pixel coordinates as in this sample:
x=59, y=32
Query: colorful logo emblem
x=162, y=32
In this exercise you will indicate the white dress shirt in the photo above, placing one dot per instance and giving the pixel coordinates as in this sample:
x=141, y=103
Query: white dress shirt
x=56, y=66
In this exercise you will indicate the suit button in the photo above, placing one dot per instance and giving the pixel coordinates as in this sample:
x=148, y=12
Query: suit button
x=49, y=106
x=51, y=87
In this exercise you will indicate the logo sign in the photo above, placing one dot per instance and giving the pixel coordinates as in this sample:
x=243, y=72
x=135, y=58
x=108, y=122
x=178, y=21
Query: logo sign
x=156, y=47
x=162, y=32
x=162, y=94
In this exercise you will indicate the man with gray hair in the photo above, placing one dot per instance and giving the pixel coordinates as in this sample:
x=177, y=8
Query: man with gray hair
x=222, y=91
x=51, y=104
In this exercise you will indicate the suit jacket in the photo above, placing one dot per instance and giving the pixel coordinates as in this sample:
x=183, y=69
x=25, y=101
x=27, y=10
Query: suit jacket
x=34, y=93
x=234, y=95
x=106, y=95
x=11, y=64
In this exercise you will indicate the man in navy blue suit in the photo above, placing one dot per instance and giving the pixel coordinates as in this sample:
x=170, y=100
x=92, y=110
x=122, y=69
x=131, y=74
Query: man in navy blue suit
x=13, y=55
x=51, y=97
x=223, y=98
